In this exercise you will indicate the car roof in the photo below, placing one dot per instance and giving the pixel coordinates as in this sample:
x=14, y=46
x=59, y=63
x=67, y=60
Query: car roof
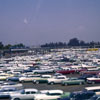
x=46, y=75
x=92, y=88
x=61, y=76
x=26, y=90
x=9, y=88
x=55, y=91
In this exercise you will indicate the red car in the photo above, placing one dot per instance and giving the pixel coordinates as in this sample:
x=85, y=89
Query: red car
x=81, y=69
x=90, y=72
x=71, y=71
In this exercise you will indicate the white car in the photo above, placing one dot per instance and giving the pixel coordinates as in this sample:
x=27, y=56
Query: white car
x=93, y=80
x=4, y=76
x=57, y=79
x=11, y=84
x=40, y=71
x=27, y=79
x=26, y=94
x=42, y=79
x=48, y=95
x=6, y=92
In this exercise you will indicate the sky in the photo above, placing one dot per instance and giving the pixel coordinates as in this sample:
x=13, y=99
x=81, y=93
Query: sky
x=35, y=22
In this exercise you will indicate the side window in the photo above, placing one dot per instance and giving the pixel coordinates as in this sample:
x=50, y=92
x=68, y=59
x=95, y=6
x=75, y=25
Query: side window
x=97, y=90
x=60, y=78
x=33, y=92
x=27, y=92
x=73, y=79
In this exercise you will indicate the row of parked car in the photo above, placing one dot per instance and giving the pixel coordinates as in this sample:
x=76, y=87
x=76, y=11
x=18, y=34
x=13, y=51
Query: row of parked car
x=51, y=79
x=59, y=78
x=89, y=93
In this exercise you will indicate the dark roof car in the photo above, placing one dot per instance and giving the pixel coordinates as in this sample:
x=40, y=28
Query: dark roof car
x=85, y=76
x=81, y=95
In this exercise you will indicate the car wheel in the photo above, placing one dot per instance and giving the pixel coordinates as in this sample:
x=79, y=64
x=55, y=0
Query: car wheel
x=36, y=73
x=22, y=81
x=63, y=84
x=7, y=79
x=93, y=82
x=52, y=83
x=37, y=82
x=66, y=83
x=83, y=83
x=80, y=83
x=71, y=73
x=16, y=99
x=33, y=81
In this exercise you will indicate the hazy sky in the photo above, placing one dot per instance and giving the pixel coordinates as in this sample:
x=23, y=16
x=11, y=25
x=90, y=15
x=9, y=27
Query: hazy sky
x=40, y=21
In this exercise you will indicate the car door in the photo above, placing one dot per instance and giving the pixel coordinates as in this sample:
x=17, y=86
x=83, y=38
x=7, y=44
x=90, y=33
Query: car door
x=60, y=79
x=74, y=81
x=29, y=95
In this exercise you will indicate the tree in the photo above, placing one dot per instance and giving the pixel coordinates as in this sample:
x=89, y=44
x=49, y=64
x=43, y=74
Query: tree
x=20, y=45
x=1, y=45
x=92, y=44
x=82, y=43
x=73, y=42
x=7, y=46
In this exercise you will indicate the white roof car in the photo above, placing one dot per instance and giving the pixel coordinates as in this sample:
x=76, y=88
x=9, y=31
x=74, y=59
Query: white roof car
x=25, y=94
x=48, y=95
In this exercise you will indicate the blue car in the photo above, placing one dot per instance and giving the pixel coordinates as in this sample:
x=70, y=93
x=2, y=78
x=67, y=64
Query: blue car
x=15, y=79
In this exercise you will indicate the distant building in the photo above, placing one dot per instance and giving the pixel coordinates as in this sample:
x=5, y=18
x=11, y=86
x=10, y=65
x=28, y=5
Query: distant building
x=15, y=51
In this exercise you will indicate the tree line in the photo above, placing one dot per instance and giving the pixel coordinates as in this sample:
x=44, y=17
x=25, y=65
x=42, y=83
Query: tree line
x=72, y=42
x=9, y=46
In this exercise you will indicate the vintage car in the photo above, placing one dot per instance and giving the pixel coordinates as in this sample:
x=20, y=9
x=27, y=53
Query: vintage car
x=93, y=80
x=51, y=95
x=15, y=79
x=68, y=71
x=4, y=76
x=42, y=79
x=95, y=89
x=57, y=79
x=73, y=81
x=93, y=72
x=78, y=70
x=85, y=76
x=28, y=78
x=5, y=92
x=11, y=84
x=25, y=94
x=43, y=71
x=81, y=95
